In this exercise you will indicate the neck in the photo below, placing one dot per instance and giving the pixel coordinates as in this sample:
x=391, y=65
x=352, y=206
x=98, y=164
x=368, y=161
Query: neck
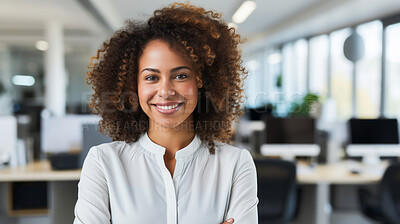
x=173, y=139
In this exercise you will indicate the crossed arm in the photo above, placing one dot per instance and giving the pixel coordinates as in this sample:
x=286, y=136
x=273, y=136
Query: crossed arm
x=243, y=200
x=93, y=199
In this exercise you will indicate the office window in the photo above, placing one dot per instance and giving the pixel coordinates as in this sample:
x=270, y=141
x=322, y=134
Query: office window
x=273, y=70
x=294, y=72
x=254, y=84
x=341, y=71
x=273, y=63
x=300, y=63
x=368, y=74
x=289, y=77
x=265, y=74
x=319, y=65
x=392, y=90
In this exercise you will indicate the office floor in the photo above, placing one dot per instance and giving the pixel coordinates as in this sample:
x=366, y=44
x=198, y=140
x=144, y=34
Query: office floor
x=27, y=220
x=350, y=218
x=343, y=208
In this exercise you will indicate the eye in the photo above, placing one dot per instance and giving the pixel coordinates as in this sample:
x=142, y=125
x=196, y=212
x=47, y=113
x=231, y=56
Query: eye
x=151, y=78
x=181, y=76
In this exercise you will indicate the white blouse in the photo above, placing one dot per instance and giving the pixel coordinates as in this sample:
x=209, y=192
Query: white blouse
x=129, y=183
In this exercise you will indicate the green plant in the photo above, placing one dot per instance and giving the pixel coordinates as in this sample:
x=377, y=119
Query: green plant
x=2, y=88
x=278, y=83
x=304, y=107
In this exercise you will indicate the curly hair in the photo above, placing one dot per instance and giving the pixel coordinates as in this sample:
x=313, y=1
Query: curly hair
x=200, y=35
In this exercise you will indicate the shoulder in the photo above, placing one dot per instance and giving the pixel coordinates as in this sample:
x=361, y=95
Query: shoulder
x=232, y=153
x=238, y=160
x=112, y=149
x=108, y=157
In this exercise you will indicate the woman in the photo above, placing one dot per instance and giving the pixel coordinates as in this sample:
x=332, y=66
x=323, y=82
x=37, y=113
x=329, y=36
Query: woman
x=168, y=91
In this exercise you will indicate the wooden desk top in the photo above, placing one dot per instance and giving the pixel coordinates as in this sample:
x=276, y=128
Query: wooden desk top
x=37, y=171
x=339, y=173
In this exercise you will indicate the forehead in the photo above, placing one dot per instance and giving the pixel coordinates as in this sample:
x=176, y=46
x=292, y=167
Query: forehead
x=158, y=53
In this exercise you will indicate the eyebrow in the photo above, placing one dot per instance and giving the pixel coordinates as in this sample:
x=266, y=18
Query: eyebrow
x=171, y=71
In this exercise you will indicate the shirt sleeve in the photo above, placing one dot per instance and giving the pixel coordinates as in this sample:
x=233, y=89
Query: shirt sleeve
x=243, y=200
x=92, y=206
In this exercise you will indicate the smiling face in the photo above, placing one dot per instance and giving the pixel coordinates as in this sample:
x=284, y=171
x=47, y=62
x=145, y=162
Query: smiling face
x=167, y=86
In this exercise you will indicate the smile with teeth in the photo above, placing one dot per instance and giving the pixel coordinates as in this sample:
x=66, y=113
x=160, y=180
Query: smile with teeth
x=168, y=107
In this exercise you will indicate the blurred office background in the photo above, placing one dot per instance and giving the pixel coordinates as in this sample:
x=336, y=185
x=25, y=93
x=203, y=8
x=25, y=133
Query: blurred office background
x=327, y=60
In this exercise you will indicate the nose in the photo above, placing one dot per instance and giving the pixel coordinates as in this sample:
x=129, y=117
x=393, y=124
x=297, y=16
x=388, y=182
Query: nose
x=166, y=89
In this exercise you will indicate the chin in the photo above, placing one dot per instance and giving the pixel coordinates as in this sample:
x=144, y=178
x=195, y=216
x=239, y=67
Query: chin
x=174, y=123
x=168, y=124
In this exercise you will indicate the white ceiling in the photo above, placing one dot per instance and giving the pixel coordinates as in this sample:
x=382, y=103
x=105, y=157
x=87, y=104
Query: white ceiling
x=28, y=14
x=267, y=14
x=23, y=21
x=322, y=17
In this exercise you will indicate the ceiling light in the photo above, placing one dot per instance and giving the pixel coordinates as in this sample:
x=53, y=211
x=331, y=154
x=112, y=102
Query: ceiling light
x=244, y=11
x=42, y=45
x=23, y=80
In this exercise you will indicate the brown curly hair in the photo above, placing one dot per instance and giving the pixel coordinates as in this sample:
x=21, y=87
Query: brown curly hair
x=195, y=32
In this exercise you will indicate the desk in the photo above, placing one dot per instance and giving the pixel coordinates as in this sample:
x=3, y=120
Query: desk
x=62, y=187
x=37, y=171
x=317, y=208
x=340, y=173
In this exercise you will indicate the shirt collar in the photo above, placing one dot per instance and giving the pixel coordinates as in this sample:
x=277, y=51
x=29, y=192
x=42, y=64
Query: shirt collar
x=152, y=147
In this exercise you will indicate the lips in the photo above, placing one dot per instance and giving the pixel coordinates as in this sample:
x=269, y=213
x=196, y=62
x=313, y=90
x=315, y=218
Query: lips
x=167, y=108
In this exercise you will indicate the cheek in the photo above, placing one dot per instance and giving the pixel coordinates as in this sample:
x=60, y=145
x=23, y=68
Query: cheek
x=144, y=94
x=190, y=92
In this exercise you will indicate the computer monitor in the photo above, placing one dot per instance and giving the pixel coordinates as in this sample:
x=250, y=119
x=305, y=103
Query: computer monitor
x=91, y=137
x=64, y=134
x=374, y=131
x=290, y=137
x=8, y=138
x=373, y=138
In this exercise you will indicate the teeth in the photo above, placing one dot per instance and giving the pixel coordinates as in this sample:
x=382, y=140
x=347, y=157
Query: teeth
x=168, y=107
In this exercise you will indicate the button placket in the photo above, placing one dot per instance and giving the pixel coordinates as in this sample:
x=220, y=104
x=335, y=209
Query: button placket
x=169, y=191
x=177, y=174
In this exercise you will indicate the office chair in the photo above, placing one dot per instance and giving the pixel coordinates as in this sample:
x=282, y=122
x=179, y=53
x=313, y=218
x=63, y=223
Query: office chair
x=277, y=190
x=384, y=206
